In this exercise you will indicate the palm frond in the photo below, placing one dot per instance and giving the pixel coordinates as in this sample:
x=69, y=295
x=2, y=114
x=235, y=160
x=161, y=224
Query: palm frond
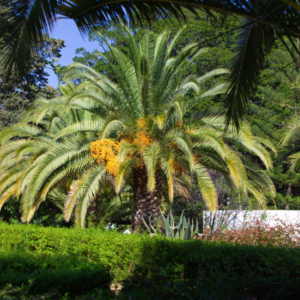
x=82, y=193
x=255, y=42
x=150, y=157
x=295, y=160
x=206, y=187
x=80, y=127
x=28, y=20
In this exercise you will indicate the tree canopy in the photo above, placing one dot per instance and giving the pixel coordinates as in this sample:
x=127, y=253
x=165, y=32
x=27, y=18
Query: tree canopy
x=29, y=20
x=20, y=91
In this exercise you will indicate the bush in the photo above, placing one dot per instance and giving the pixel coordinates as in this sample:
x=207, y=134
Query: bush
x=258, y=232
x=11, y=292
x=115, y=251
x=57, y=275
x=160, y=268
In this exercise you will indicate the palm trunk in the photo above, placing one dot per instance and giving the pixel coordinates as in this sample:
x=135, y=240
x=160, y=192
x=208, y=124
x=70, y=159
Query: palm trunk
x=145, y=203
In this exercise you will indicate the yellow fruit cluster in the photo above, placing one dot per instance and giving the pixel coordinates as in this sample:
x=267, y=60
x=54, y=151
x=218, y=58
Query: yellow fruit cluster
x=142, y=139
x=106, y=151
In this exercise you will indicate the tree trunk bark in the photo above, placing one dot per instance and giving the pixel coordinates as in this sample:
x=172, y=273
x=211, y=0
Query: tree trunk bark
x=145, y=203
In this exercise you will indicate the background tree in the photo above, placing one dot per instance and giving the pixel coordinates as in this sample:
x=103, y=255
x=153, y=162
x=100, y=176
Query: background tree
x=20, y=91
x=273, y=104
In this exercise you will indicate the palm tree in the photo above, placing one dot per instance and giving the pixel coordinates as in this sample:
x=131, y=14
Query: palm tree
x=35, y=160
x=145, y=140
x=130, y=133
x=290, y=140
x=28, y=20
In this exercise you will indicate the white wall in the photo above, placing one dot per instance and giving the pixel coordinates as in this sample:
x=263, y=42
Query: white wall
x=234, y=219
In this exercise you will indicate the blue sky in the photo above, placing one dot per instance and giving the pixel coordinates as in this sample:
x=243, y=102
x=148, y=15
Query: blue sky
x=66, y=30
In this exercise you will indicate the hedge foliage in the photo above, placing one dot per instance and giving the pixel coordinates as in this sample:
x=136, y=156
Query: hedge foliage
x=159, y=267
x=54, y=274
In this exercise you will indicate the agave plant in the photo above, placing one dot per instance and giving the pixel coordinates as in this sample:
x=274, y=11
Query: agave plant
x=184, y=229
x=132, y=131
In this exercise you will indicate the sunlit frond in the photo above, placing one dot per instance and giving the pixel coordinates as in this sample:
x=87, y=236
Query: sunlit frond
x=82, y=192
x=150, y=157
x=206, y=187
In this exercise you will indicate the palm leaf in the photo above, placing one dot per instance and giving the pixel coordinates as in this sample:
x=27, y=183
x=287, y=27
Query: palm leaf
x=255, y=42
x=82, y=193
x=150, y=157
x=206, y=187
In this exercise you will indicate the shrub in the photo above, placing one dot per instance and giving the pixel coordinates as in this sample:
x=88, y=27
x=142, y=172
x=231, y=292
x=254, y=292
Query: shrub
x=162, y=268
x=258, y=232
x=11, y=292
x=54, y=274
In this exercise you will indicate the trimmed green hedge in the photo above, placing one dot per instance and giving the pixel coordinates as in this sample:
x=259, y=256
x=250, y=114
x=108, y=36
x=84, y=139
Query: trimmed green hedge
x=55, y=274
x=169, y=269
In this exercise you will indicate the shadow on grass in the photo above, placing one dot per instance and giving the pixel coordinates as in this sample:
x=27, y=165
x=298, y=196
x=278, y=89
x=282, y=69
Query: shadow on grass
x=51, y=277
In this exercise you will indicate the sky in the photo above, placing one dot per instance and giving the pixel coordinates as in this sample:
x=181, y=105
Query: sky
x=66, y=30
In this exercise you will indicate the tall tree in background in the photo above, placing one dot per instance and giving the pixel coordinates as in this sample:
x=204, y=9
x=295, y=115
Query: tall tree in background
x=19, y=91
x=274, y=105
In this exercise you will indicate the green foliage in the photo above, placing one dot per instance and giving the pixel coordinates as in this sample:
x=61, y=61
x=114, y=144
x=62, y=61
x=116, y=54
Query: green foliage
x=15, y=292
x=184, y=229
x=17, y=93
x=257, y=232
x=263, y=21
x=62, y=273
x=161, y=268
x=283, y=202
x=272, y=116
